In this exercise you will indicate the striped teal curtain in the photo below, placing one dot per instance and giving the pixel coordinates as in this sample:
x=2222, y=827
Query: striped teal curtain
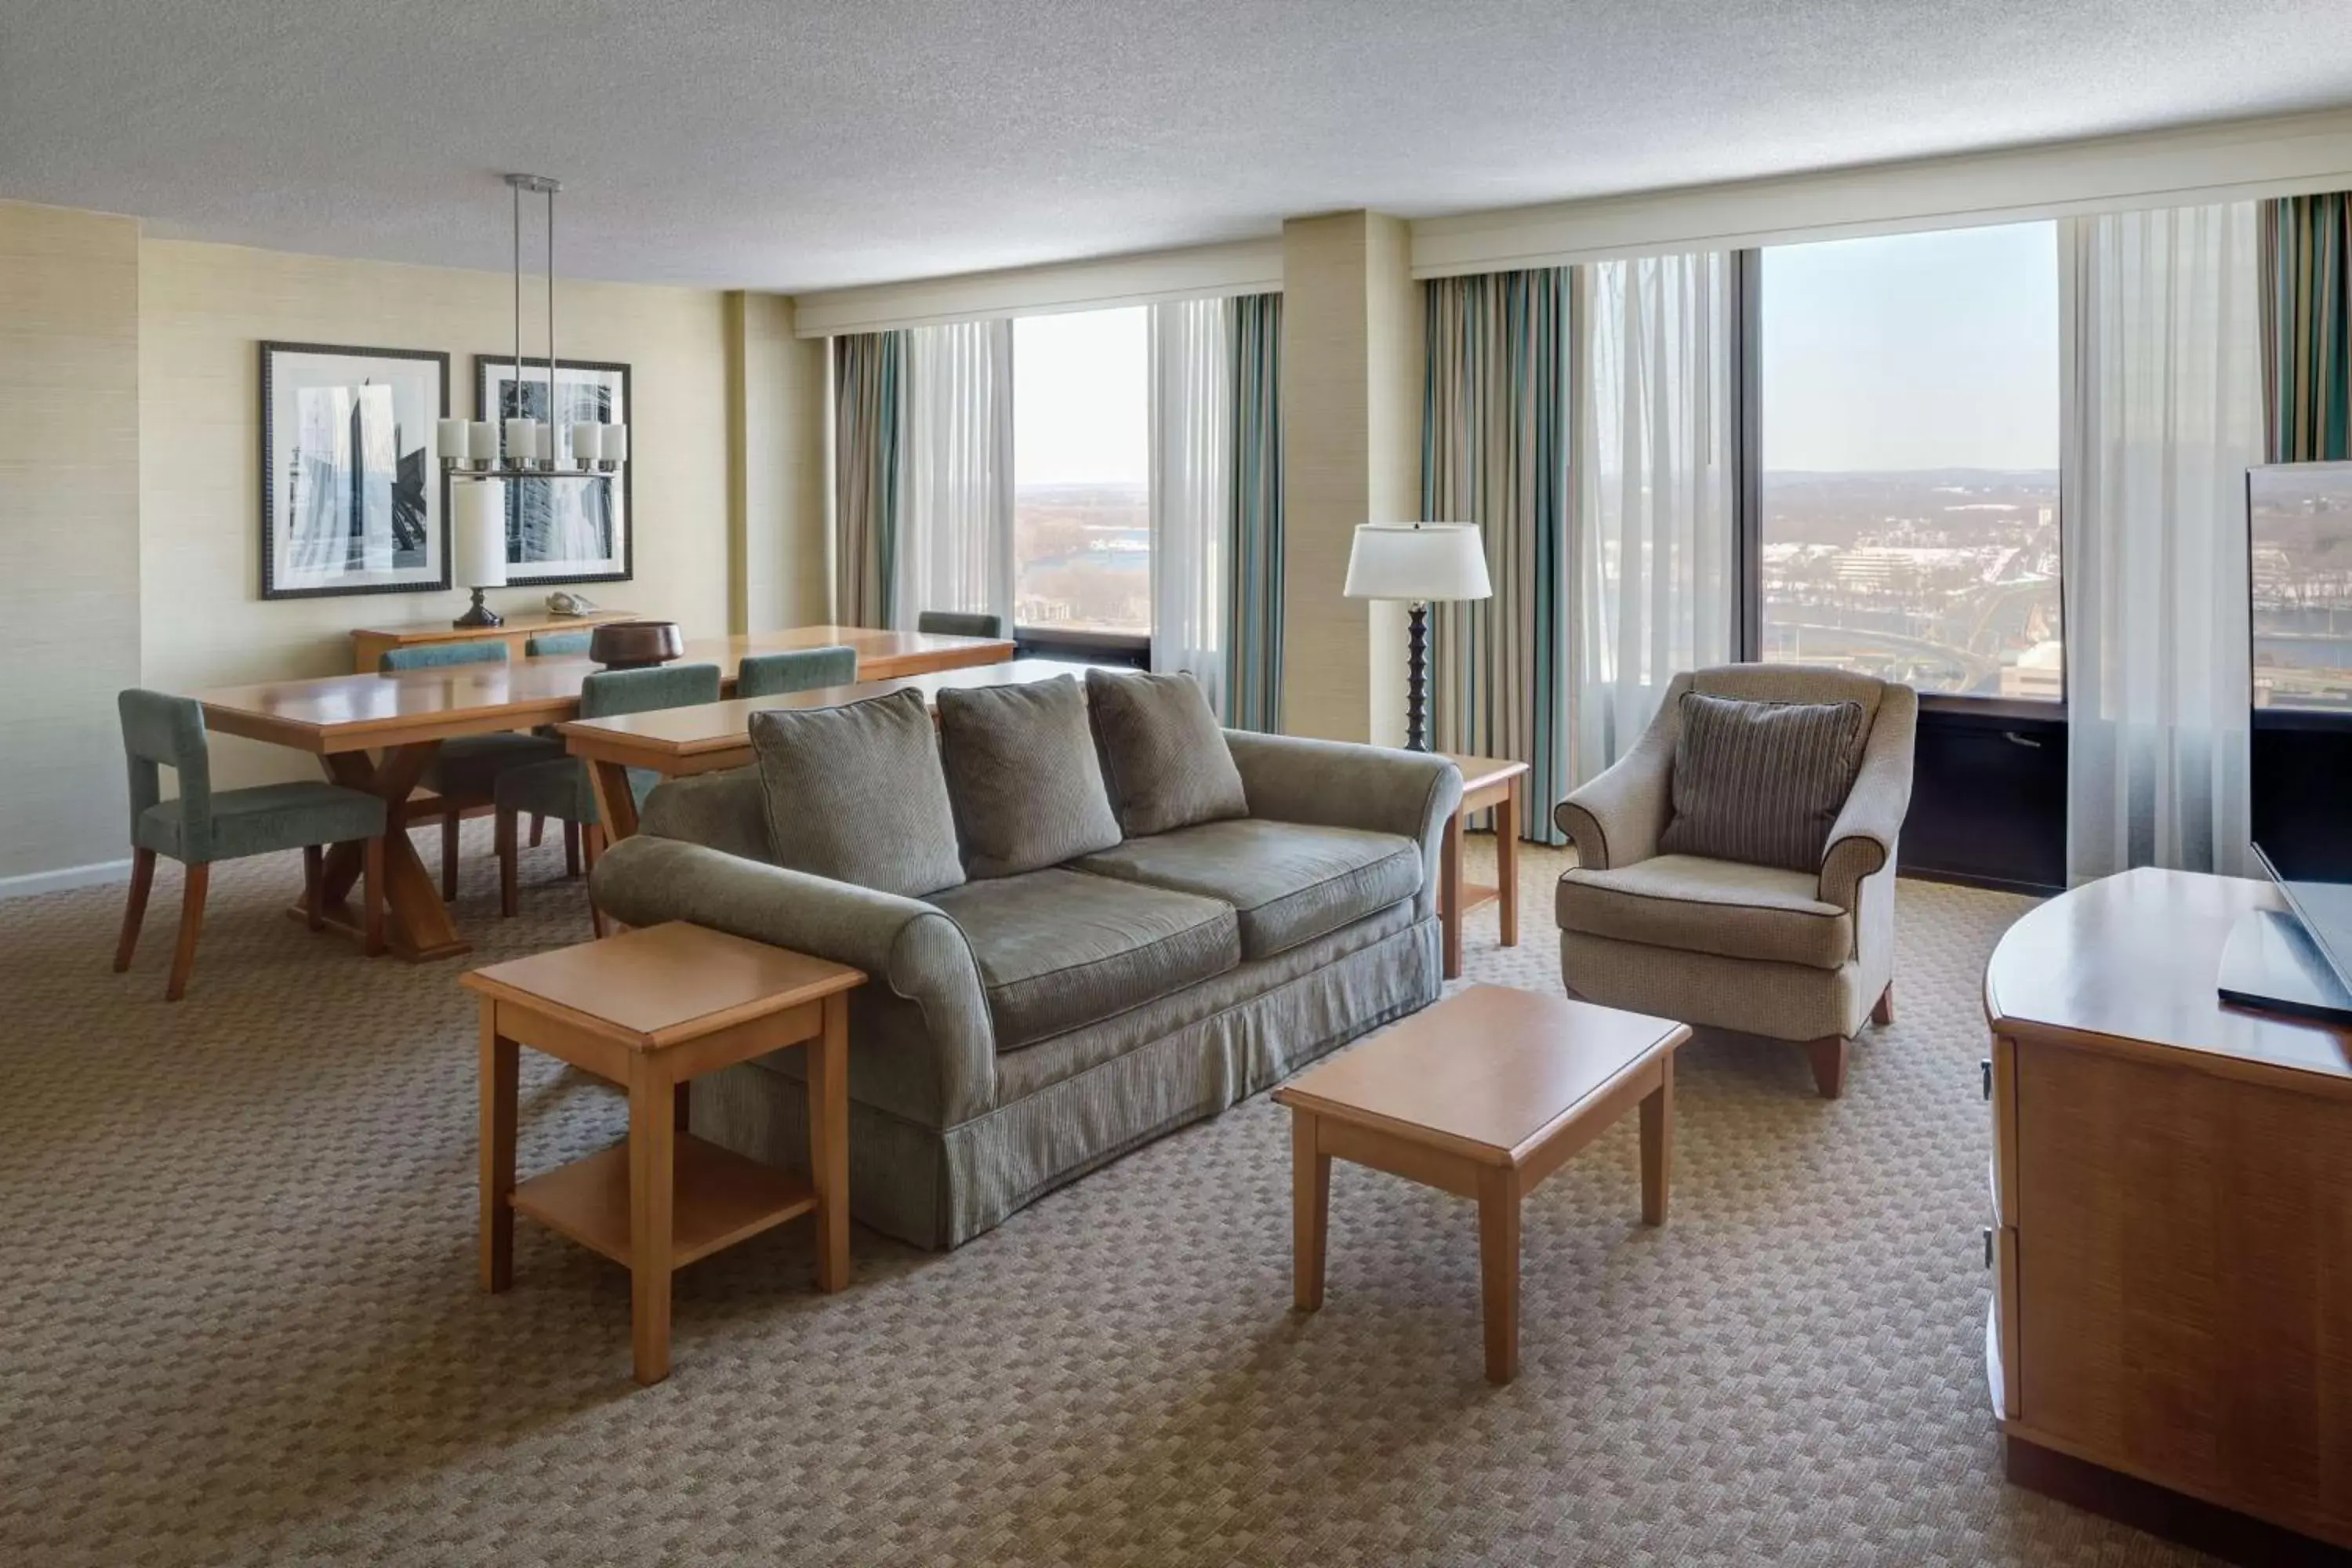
x=870, y=447
x=2307, y=327
x=1254, y=604
x=1494, y=445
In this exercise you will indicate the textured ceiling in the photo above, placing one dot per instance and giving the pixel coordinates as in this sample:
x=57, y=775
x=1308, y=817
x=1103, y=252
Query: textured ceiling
x=809, y=145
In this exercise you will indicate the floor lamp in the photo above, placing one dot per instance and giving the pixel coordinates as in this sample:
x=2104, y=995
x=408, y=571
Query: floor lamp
x=1420, y=564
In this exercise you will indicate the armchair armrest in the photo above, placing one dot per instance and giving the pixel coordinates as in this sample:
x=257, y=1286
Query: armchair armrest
x=1862, y=840
x=1335, y=784
x=1616, y=817
x=904, y=945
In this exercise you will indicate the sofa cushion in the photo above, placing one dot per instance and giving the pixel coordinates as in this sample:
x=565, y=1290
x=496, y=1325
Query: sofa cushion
x=1287, y=883
x=855, y=793
x=1761, y=782
x=1697, y=905
x=1163, y=756
x=1022, y=776
x=1059, y=949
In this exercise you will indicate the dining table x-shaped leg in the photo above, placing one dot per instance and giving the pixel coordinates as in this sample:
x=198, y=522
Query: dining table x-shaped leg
x=417, y=926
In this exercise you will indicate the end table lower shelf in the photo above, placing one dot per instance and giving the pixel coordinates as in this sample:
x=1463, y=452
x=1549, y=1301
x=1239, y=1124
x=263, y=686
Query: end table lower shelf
x=717, y=1198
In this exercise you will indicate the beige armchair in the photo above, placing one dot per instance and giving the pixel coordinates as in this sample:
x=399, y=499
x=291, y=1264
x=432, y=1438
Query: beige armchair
x=1788, y=954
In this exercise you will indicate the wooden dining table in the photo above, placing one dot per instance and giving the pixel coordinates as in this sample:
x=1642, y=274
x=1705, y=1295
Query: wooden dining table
x=677, y=743
x=379, y=733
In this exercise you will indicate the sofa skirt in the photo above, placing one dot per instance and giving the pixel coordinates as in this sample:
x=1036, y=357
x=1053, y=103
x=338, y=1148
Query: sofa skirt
x=939, y=1188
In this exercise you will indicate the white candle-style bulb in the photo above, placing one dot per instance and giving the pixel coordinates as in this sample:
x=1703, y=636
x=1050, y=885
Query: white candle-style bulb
x=616, y=442
x=482, y=438
x=482, y=534
x=587, y=441
x=522, y=438
x=450, y=439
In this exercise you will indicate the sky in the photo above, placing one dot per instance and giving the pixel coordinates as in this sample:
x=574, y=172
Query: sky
x=1080, y=382
x=1915, y=351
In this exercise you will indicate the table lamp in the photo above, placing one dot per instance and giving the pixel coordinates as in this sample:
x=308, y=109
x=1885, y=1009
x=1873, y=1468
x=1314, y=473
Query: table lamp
x=482, y=546
x=1420, y=564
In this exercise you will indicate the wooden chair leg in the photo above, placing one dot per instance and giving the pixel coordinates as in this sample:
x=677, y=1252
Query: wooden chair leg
x=591, y=841
x=1882, y=1012
x=538, y=828
x=314, y=875
x=191, y=924
x=1827, y=1054
x=134, y=906
x=572, y=849
x=371, y=895
x=509, y=902
x=449, y=826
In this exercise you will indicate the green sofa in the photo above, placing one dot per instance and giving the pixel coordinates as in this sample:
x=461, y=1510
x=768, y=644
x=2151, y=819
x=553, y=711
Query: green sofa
x=1017, y=1032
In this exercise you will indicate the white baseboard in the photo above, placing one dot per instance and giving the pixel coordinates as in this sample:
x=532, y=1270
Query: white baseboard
x=64, y=877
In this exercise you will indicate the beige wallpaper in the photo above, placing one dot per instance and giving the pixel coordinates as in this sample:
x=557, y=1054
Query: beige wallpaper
x=203, y=309
x=69, y=531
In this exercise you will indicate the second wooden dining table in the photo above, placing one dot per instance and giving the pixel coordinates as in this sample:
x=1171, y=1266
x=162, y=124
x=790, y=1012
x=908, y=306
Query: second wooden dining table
x=379, y=733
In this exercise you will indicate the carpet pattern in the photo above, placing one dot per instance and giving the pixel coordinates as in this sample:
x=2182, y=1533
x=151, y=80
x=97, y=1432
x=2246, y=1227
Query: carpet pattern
x=239, y=1323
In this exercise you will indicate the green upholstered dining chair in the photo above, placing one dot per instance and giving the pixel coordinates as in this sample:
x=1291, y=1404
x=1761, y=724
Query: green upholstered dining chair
x=801, y=669
x=202, y=825
x=556, y=645
x=561, y=789
x=959, y=624
x=465, y=769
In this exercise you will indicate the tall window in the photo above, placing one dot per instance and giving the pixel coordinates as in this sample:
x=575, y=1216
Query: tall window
x=1911, y=435
x=1081, y=473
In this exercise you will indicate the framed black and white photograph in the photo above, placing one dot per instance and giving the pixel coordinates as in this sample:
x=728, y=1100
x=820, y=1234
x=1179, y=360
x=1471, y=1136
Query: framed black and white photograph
x=574, y=528
x=352, y=498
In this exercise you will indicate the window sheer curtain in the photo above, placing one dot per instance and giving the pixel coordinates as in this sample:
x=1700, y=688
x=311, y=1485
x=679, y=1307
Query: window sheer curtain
x=954, y=548
x=2165, y=380
x=1192, y=401
x=1653, y=542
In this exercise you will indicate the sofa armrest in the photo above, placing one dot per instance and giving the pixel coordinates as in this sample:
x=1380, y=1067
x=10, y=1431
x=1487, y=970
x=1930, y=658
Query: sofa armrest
x=1615, y=818
x=1335, y=784
x=904, y=945
x=1862, y=840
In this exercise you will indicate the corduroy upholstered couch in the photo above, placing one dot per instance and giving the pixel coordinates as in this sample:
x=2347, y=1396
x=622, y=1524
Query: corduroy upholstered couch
x=1019, y=1031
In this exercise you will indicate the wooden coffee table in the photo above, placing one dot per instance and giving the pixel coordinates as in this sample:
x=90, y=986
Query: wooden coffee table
x=1484, y=1095
x=649, y=1010
x=1485, y=782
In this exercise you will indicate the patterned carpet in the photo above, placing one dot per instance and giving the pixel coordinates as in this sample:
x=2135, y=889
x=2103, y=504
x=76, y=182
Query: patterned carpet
x=240, y=1323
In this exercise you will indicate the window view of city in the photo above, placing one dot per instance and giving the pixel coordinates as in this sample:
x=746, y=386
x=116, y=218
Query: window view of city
x=1910, y=504
x=2302, y=527
x=1081, y=473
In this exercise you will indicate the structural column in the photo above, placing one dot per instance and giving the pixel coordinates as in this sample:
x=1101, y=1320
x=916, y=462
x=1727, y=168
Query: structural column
x=1351, y=389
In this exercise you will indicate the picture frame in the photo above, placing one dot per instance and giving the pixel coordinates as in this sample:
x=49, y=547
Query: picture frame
x=353, y=501
x=567, y=529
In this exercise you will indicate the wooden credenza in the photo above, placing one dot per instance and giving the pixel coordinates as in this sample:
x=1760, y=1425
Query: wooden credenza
x=2172, y=1211
x=370, y=643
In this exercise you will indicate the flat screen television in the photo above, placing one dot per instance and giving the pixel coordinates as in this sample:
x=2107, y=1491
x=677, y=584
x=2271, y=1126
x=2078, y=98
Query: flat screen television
x=2299, y=538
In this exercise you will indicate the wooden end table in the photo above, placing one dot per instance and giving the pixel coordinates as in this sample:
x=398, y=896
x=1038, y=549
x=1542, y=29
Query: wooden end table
x=1485, y=782
x=1483, y=1095
x=650, y=1009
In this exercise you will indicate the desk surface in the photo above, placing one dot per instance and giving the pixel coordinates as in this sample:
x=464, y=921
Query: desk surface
x=2135, y=959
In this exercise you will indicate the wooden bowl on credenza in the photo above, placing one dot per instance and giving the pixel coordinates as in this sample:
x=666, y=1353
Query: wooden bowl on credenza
x=635, y=645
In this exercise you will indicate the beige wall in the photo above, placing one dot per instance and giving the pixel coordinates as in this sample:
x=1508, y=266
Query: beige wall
x=1351, y=410
x=776, y=406
x=69, y=531
x=203, y=309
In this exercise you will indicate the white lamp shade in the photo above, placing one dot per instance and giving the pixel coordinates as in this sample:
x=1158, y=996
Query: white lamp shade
x=1421, y=562
x=616, y=444
x=482, y=534
x=587, y=441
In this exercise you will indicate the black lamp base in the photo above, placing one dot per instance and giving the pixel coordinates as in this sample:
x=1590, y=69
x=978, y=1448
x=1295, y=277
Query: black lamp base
x=1416, y=680
x=481, y=615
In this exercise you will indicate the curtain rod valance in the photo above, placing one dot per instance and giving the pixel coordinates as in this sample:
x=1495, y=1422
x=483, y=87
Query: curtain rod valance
x=1150, y=277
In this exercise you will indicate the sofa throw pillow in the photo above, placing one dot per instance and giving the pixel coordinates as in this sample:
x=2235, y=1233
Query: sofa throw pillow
x=1022, y=776
x=855, y=793
x=1762, y=782
x=1163, y=755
